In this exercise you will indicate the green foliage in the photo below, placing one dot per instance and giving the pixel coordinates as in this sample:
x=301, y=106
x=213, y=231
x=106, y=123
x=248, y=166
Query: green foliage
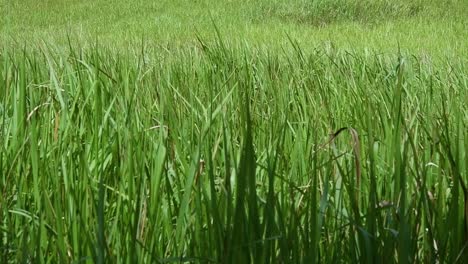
x=220, y=153
x=325, y=12
x=420, y=27
x=318, y=131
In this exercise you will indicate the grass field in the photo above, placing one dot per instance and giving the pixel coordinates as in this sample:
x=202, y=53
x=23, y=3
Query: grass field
x=418, y=26
x=329, y=131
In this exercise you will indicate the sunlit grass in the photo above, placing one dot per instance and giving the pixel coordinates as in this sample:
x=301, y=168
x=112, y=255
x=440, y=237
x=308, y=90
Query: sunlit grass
x=419, y=27
x=233, y=131
x=230, y=154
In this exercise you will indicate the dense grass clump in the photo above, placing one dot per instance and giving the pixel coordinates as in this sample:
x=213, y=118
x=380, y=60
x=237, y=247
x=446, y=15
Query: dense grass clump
x=325, y=12
x=232, y=155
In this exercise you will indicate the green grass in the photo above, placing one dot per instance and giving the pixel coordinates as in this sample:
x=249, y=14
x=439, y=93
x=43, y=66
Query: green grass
x=421, y=27
x=223, y=155
x=267, y=132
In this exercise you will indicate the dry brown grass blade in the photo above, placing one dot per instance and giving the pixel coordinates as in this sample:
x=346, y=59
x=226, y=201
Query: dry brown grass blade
x=357, y=154
x=56, y=126
x=356, y=150
x=143, y=219
x=201, y=169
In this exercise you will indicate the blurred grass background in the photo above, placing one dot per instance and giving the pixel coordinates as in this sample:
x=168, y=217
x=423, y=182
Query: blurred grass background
x=420, y=27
